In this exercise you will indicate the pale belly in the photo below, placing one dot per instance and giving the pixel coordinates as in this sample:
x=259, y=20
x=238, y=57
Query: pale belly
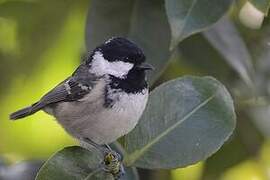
x=89, y=119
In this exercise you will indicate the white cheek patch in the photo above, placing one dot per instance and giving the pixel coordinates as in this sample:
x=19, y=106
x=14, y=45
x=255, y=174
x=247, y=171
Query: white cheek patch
x=100, y=66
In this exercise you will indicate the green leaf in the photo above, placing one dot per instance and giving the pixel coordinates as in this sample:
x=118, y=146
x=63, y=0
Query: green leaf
x=70, y=163
x=186, y=120
x=225, y=38
x=144, y=22
x=187, y=17
x=196, y=57
x=201, y=59
x=262, y=5
x=236, y=150
x=76, y=163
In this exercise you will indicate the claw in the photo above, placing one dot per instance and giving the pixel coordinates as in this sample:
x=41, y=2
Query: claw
x=113, y=164
x=112, y=160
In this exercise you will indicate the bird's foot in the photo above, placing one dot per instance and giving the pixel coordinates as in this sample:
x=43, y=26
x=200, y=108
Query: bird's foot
x=112, y=161
x=113, y=164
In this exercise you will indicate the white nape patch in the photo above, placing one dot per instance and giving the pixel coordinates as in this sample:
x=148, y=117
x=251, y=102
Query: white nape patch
x=109, y=40
x=100, y=66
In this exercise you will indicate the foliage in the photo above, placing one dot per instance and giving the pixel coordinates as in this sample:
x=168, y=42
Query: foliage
x=262, y=5
x=188, y=17
x=176, y=107
x=187, y=119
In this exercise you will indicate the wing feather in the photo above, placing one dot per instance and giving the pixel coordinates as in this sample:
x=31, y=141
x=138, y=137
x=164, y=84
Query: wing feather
x=72, y=89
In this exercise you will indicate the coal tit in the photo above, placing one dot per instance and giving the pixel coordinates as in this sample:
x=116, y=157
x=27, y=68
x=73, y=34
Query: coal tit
x=104, y=98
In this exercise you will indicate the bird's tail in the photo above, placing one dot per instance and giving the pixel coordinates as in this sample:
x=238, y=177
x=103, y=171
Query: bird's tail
x=27, y=111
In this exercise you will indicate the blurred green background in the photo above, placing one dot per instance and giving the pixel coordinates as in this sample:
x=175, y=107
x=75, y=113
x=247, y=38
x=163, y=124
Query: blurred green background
x=41, y=42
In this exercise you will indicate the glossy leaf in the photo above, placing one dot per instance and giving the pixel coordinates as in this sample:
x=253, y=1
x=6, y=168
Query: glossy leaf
x=76, y=163
x=186, y=121
x=236, y=150
x=225, y=38
x=144, y=22
x=201, y=59
x=262, y=5
x=187, y=17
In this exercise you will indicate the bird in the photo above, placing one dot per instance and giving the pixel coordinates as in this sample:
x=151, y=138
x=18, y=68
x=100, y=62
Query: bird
x=104, y=97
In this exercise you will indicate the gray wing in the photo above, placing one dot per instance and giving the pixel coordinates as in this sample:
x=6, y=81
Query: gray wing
x=72, y=89
x=69, y=90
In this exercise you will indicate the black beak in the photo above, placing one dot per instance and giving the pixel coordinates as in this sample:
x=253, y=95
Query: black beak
x=145, y=66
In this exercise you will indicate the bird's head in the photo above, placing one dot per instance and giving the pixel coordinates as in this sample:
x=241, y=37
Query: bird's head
x=118, y=57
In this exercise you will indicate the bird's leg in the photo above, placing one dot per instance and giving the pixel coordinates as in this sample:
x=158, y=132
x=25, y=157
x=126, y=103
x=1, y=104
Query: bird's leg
x=101, y=148
x=112, y=160
x=108, y=147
